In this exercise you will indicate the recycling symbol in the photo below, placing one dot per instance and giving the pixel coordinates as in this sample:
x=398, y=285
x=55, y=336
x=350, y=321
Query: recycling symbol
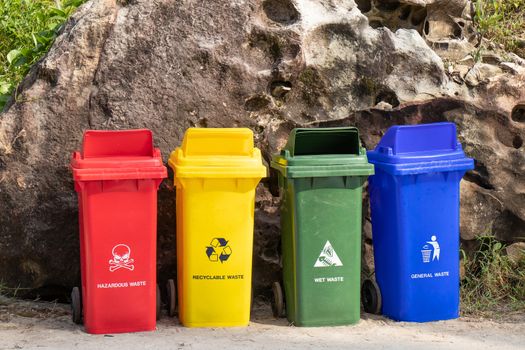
x=218, y=250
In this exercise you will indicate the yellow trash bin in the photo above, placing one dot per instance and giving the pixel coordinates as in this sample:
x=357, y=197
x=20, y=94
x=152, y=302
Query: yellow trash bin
x=216, y=172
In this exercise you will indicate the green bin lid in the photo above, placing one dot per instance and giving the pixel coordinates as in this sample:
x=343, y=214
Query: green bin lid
x=321, y=152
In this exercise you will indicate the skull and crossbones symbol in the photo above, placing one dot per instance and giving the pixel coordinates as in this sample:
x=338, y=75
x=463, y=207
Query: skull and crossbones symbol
x=121, y=258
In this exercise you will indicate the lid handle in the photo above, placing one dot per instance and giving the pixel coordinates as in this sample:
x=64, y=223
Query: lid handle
x=218, y=142
x=320, y=141
x=117, y=143
x=402, y=139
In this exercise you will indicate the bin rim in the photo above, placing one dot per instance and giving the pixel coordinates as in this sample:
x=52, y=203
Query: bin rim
x=103, y=169
x=320, y=159
x=324, y=171
x=461, y=164
x=423, y=148
x=323, y=152
x=319, y=166
x=234, y=157
x=220, y=167
x=238, y=171
x=141, y=161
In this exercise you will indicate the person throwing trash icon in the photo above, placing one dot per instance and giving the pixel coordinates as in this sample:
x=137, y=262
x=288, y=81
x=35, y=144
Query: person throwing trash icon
x=435, y=245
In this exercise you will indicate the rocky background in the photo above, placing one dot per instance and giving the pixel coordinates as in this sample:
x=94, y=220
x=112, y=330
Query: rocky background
x=269, y=65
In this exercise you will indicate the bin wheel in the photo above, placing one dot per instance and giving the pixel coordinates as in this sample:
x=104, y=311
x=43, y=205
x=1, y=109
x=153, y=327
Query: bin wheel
x=159, y=302
x=371, y=297
x=278, y=300
x=76, y=306
x=172, y=297
x=251, y=301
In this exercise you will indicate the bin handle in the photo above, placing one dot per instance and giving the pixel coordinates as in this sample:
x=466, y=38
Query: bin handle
x=324, y=141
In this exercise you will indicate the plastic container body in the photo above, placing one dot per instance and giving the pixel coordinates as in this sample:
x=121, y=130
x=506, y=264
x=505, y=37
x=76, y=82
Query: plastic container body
x=321, y=187
x=415, y=221
x=118, y=219
x=216, y=173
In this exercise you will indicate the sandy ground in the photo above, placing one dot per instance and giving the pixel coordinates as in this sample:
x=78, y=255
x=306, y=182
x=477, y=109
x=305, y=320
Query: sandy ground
x=32, y=325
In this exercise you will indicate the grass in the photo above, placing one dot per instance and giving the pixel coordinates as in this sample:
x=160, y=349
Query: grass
x=493, y=284
x=27, y=30
x=503, y=22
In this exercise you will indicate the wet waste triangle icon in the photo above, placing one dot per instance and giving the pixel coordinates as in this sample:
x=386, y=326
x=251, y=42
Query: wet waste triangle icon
x=328, y=257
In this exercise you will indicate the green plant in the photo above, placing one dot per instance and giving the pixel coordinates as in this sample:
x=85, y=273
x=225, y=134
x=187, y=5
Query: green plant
x=502, y=21
x=492, y=281
x=27, y=30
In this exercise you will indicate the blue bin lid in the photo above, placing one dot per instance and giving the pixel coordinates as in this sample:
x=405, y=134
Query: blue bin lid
x=424, y=148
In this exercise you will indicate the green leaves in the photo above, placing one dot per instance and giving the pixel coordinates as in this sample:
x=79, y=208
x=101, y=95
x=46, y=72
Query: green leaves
x=5, y=87
x=12, y=56
x=5, y=90
x=502, y=21
x=492, y=282
x=27, y=29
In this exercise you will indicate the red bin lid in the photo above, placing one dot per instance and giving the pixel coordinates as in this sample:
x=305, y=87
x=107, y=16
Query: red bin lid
x=117, y=155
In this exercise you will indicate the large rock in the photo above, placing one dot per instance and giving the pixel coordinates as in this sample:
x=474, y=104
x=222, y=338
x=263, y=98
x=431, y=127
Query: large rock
x=268, y=65
x=492, y=194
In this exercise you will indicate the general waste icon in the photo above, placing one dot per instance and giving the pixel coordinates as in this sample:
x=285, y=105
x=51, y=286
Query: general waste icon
x=218, y=250
x=433, y=247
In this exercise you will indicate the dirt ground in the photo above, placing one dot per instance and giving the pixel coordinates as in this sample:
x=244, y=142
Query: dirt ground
x=40, y=325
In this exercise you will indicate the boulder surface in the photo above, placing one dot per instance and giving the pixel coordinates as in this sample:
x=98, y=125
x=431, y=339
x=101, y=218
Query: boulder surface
x=270, y=65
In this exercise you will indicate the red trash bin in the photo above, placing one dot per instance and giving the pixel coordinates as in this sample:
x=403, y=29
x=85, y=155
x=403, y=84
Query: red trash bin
x=117, y=176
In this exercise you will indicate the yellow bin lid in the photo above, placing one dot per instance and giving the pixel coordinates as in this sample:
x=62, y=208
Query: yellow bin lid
x=217, y=153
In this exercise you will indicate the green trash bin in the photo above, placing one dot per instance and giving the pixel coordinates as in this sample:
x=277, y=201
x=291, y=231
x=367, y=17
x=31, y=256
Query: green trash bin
x=321, y=176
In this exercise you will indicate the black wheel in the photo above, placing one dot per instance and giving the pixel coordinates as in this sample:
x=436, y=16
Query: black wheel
x=159, y=302
x=76, y=306
x=278, y=300
x=172, y=297
x=371, y=297
x=251, y=301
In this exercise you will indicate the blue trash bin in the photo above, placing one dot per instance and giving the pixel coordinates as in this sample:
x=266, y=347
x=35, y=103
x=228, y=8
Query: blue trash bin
x=414, y=200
